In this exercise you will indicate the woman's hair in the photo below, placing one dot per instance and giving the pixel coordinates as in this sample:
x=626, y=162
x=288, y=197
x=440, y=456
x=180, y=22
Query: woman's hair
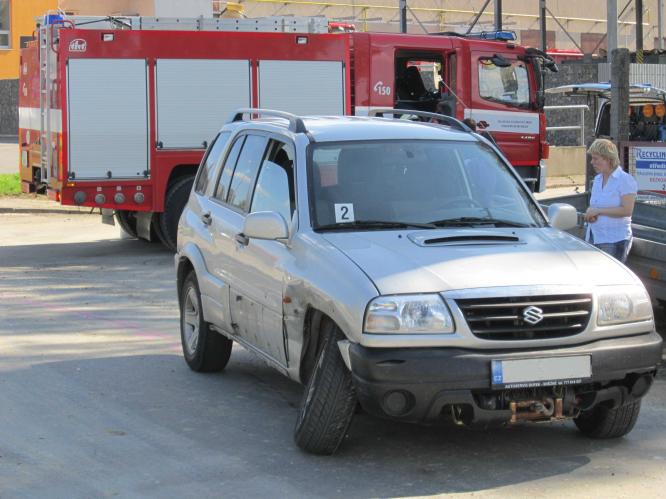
x=606, y=149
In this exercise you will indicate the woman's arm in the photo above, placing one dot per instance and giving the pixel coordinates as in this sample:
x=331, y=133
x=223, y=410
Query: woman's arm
x=625, y=209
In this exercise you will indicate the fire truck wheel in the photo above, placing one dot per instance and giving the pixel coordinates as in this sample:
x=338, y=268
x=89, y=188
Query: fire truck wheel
x=156, y=235
x=175, y=202
x=204, y=349
x=127, y=221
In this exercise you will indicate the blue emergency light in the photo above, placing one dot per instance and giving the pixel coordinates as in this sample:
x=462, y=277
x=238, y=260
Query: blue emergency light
x=505, y=36
x=54, y=19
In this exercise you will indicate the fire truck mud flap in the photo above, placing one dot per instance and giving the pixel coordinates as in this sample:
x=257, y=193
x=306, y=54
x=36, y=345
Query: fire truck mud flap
x=107, y=216
x=144, y=219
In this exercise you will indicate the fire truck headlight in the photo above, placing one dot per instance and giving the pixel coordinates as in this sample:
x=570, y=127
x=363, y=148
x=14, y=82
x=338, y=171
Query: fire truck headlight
x=119, y=198
x=100, y=198
x=139, y=198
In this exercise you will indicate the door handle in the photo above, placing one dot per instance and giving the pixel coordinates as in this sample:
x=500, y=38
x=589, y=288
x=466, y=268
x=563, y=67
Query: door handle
x=242, y=239
x=206, y=218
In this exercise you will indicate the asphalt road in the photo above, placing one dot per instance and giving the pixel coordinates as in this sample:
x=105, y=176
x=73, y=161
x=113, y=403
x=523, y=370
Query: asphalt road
x=96, y=401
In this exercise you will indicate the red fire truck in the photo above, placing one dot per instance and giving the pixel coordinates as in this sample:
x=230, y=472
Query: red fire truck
x=115, y=113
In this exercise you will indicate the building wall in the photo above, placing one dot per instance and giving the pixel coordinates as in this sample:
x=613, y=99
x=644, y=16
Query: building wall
x=8, y=109
x=23, y=13
x=150, y=8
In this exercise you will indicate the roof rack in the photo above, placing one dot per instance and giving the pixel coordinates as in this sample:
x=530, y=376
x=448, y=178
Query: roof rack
x=441, y=118
x=296, y=124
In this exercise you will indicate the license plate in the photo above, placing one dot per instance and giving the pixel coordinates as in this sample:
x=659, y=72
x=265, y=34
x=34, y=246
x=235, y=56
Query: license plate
x=546, y=371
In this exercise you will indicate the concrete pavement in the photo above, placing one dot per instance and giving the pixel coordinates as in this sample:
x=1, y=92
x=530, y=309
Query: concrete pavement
x=96, y=401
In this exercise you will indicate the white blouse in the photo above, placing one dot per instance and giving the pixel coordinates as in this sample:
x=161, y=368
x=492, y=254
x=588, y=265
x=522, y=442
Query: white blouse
x=611, y=229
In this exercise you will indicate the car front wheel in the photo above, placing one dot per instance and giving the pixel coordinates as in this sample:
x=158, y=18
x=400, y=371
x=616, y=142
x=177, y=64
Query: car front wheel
x=329, y=399
x=604, y=422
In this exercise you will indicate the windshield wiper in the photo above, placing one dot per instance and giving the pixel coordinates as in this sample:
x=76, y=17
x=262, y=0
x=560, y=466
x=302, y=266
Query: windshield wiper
x=376, y=224
x=498, y=222
x=507, y=102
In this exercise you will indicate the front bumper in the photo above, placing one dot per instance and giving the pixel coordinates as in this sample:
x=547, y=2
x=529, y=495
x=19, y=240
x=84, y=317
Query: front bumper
x=432, y=378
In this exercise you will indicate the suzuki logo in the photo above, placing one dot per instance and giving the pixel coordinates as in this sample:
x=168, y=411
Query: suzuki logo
x=78, y=45
x=532, y=315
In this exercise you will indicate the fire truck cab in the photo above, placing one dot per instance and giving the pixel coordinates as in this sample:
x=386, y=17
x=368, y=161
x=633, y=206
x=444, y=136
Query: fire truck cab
x=116, y=113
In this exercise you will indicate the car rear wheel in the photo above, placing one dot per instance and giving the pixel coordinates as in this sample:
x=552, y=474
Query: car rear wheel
x=204, y=349
x=604, y=422
x=329, y=400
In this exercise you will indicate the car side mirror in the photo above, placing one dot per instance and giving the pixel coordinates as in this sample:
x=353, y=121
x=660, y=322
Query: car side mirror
x=265, y=225
x=562, y=216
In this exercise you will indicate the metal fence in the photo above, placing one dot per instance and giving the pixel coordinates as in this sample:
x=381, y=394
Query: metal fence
x=654, y=74
x=581, y=127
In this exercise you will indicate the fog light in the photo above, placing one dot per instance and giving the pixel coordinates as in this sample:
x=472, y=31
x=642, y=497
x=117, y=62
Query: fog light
x=398, y=402
x=100, y=199
x=80, y=197
x=119, y=198
x=139, y=197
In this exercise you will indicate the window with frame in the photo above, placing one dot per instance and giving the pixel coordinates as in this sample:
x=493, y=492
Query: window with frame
x=210, y=161
x=245, y=173
x=222, y=188
x=5, y=24
x=505, y=85
x=275, y=189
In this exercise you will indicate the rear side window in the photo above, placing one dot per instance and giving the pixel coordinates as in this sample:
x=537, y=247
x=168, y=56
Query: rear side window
x=222, y=188
x=207, y=168
x=242, y=182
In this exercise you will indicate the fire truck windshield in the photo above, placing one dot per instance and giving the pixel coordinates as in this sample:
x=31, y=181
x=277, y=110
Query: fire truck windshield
x=506, y=85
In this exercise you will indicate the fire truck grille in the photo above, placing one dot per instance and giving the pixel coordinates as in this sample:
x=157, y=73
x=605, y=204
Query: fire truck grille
x=527, y=317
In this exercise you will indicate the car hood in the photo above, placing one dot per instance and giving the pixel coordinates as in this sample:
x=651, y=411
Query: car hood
x=454, y=259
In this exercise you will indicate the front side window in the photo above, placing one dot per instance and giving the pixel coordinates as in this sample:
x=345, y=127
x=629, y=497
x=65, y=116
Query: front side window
x=275, y=189
x=439, y=183
x=242, y=182
x=505, y=85
x=5, y=23
x=207, y=168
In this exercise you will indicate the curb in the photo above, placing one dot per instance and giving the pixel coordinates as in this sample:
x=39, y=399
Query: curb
x=42, y=211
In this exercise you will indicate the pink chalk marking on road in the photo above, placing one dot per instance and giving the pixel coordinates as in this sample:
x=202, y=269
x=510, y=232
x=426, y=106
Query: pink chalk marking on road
x=137, y=329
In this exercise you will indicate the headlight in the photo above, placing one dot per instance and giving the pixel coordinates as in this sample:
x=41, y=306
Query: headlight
x=408, y=314
x=618, y=305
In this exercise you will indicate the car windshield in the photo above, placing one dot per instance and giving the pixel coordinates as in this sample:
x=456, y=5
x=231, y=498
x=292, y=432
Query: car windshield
x=381, y=185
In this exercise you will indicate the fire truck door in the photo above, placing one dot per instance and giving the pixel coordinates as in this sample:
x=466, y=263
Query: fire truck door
x=302, y=87
x=196, y=96
x=107, y=118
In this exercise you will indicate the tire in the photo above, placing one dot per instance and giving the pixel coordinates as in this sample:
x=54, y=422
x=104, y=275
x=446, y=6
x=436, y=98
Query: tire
x=127, y=222
x=204, y=349
x=156, y=235
x=329, y=399
x=603, y=422
x=176, y=199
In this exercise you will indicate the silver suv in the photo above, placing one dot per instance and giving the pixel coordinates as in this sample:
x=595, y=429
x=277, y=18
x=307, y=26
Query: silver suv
x=404, y=266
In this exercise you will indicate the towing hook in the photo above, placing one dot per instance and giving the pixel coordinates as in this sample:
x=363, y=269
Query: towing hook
x=536, y=410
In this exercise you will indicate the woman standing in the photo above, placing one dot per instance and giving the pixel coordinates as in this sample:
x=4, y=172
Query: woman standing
x=612, y=202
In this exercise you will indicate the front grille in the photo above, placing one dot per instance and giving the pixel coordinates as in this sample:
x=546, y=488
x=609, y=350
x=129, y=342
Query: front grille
x=507, y=318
